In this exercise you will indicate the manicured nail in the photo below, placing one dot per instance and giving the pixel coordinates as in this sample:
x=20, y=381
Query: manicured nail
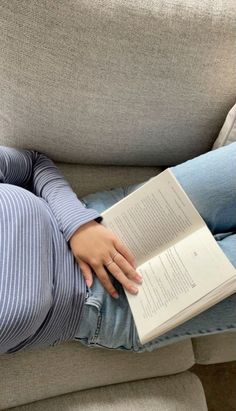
x=115, y=295
x=139, y=278
x=88, y=282
x=134, y=290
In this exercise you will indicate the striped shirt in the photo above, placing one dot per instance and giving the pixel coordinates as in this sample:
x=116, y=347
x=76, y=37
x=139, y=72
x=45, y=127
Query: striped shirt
x=58, y=276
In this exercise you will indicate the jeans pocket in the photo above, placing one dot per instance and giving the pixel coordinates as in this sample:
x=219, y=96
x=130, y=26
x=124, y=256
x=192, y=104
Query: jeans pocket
x=90, y=323
x=92, y=300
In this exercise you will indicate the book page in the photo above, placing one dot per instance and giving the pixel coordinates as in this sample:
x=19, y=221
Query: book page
x=178, y=277
x=207, y=301
x=153, y=217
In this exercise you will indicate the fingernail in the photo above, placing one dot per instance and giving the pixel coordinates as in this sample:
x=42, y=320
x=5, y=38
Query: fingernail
x=134, y=290
x=115, y=295
x=139, y=278
x=89, y=283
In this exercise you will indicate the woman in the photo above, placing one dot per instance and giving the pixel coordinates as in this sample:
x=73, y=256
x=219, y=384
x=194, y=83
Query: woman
x=54, y=282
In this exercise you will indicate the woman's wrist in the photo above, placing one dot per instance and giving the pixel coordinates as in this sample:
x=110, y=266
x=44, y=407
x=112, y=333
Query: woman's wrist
x=82, y=228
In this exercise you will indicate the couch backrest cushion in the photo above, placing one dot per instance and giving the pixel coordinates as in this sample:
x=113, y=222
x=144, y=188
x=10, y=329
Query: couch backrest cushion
x=133, y=82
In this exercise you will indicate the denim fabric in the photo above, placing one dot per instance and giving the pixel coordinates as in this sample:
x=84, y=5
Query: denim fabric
x=209, y=181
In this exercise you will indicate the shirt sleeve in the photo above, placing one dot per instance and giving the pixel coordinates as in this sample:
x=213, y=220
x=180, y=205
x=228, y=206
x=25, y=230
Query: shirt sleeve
x=36, y=172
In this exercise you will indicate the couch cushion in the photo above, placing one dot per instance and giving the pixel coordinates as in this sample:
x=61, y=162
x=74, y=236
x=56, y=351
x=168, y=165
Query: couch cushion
x=133, y=82
x=86, y=179
x=213, y=349
x=41, y=373
x=182, y=392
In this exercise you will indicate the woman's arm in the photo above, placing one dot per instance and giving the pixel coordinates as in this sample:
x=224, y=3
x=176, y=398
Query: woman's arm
x=37, y=172
x=90, y=242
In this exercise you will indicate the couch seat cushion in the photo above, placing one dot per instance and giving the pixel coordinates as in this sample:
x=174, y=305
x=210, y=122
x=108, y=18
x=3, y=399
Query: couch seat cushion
x=182, y=392
x=217, y=348
x=86, y=179
x=42, y=373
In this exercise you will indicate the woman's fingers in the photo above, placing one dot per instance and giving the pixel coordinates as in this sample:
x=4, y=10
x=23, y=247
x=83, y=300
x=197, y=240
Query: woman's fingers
x=101, y=274
x=124, y=250
x=120, y=268
x=116, y=271
x=127, y=269
x=105, y=280
x=87, y=273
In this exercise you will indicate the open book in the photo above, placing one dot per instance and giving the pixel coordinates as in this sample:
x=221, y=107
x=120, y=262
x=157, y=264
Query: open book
x=184, y=270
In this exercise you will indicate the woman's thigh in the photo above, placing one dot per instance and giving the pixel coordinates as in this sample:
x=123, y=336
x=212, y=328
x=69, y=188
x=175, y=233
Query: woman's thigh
x=105, y=321
x=208, y=180
x=109, y=323
x=101, y=200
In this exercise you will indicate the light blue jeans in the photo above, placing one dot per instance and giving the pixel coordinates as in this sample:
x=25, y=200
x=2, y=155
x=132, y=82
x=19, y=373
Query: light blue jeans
x=210, y=182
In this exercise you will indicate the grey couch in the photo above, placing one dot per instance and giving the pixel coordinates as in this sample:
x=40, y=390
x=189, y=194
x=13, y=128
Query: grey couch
x=114, y=91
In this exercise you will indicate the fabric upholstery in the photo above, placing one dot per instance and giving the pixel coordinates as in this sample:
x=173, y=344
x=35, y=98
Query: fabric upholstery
x=38, y=374
x=112, y=83
x=86, y=179
x=123, y=82
x=182, y=392
x=213, y=349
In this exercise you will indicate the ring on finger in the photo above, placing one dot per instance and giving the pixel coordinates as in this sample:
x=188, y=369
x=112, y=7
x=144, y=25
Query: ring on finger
x=112, y=260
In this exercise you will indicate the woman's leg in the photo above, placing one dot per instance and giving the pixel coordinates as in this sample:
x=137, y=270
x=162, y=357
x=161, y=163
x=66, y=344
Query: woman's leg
x=209, y=181
x=109, y=324
x=25, y=278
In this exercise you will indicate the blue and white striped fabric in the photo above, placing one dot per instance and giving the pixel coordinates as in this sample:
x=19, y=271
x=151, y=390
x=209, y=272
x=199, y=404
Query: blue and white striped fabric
x=41, y=286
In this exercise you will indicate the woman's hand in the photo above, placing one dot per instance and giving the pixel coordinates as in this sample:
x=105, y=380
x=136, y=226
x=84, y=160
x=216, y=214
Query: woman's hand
x=94, y=245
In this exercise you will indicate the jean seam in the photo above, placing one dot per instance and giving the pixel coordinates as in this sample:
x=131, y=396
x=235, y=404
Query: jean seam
x=232, y=326
x=97, y=331
x=209, y=330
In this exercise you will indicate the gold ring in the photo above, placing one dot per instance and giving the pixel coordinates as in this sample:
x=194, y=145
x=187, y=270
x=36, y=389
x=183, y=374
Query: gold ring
x=111, y=261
